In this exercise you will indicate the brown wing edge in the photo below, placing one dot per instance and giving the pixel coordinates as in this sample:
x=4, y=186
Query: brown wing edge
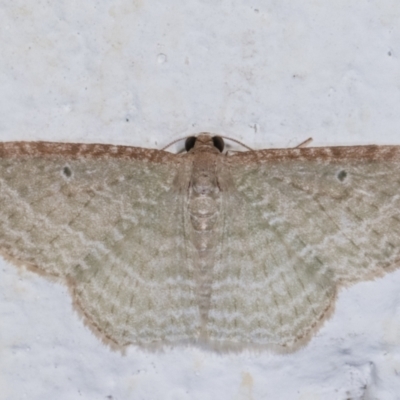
x=328, y=313
x=319, y=154
x=83, y=150
x=220, y=347
x=107, y=340
x=87, y=321
x=304, y=340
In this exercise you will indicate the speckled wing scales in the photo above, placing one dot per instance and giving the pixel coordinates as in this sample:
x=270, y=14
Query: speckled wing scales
x=310, y=220
x=104, y=218
x=114, y=223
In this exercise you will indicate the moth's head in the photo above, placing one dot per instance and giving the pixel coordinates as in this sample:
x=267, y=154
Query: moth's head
x=204, y=142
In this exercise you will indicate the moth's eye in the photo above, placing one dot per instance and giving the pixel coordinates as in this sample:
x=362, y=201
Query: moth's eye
x=190, y=141
x=218, y=143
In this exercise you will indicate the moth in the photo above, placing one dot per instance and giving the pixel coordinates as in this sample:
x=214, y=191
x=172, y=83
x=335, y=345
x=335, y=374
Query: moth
x=228, y=251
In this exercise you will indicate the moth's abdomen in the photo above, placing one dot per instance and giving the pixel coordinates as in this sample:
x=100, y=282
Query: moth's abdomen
x=203, y=216
x=204, y=209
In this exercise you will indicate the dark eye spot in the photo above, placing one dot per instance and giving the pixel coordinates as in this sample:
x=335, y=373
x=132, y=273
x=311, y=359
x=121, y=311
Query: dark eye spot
x=342, y=175
x=218, y=143
x=67, y=172
x=190, y=141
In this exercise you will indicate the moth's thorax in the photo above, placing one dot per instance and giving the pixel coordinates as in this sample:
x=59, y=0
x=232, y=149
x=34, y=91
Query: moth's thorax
x=203, y=200
x=204, y=177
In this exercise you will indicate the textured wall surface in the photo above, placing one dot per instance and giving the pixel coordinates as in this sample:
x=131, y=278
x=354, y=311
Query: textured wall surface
x=270, y=74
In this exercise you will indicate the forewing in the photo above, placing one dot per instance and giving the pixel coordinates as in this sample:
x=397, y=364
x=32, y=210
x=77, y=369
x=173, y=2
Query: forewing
x=303, y=221
x=105, y=219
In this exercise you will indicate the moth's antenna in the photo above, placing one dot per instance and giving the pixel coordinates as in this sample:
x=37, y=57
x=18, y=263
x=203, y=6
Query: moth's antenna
x=305, y=143
x=236, y=141
x=224, y=137
x=175, y=141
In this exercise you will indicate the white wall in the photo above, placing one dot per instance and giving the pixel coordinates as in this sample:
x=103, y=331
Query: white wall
x=144, y=73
